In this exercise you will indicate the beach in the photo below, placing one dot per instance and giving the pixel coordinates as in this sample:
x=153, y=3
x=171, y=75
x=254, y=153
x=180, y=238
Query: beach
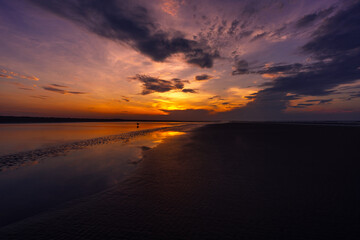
x=223, y=181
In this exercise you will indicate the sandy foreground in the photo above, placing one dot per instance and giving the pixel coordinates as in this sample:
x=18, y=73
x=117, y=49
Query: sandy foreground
x=224, y=181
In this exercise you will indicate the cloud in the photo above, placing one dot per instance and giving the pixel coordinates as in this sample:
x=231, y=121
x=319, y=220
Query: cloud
x=153, y=84
x=325, y=101
x=189, y=90
x=259, y=36
x=11, y=74
x=308, y=19
x=286, y=68
x=26, y=88
x=338, y=36
x=171, y=6
x=335, y=47
x=126, y=99
x=5, y=76
x=29, y=77
x=302, y=105
x=61, y=91
x=43, y=97
x=320, y=101
x=265, y=104
x=233, y=26
x=129, y=23
x=58, y=85
x=216, y=97
x=203, y=77
x=241, y=67
x=352, y=96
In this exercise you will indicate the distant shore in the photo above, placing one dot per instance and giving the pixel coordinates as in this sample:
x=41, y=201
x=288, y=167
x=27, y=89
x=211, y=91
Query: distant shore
x=14, y=119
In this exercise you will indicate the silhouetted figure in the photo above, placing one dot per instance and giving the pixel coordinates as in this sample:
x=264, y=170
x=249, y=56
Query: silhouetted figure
x=137, y=125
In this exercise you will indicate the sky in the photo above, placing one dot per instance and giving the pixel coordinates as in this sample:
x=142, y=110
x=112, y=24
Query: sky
x=180, y=59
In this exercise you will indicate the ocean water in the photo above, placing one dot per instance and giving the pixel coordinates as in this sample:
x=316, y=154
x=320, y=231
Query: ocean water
x=45, y=165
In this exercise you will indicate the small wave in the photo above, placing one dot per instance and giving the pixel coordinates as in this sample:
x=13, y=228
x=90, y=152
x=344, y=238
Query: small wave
x=14, y=161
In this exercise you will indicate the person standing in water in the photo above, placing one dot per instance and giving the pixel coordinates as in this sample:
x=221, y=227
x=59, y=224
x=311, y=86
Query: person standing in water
x=137, y=125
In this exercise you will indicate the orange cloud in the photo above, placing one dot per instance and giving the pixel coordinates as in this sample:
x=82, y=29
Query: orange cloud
x=5, y=76
x=171, y=6
x=12, y=74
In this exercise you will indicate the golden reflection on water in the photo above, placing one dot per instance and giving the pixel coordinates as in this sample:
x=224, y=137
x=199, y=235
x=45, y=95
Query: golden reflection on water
x=160, y=136
x=24, y=137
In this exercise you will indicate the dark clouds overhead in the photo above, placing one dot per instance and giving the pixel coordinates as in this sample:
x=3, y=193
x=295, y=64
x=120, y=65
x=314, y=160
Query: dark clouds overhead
x=153, y=84
x=127, y=22
x=335, y=46
x=309, y=19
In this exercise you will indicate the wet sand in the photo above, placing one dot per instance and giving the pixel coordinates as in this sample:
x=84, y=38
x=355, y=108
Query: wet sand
x=224, y=181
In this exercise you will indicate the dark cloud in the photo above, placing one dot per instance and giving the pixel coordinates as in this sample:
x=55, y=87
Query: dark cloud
x=302, y=105
x=352, y=96
x=153, y=84
x=320, y=101
x=244, y=34
x=58, y=85
x=43, y=97
x=126, y=22
x=240, y=67
x=325, y=101
x=26, y=88
x=286, y=68
x=189, y=90
x=61, y=91
x=178, y=83
x=126, y=99
x=216, y=97
x=335, y=46
x=265, y=105
x=278, y=32
x=203, y=77
x=339, y=36
x=251, y=96
x=307, y=20
x=233, y=26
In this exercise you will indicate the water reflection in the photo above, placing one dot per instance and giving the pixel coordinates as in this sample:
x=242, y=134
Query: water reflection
x=25, y=137
x=160, y=136
x=32, y=189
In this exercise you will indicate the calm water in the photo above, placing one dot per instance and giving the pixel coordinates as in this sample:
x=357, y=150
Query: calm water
x=54, y=179
x=24, y=137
